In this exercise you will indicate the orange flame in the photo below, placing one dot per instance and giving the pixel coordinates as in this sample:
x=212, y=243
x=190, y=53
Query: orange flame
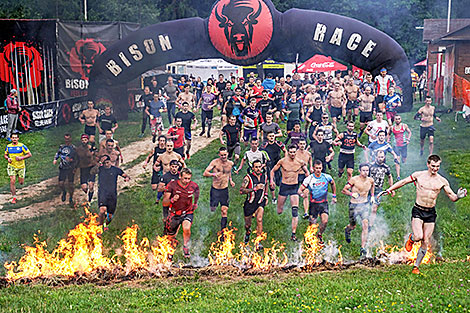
x=220, y=252
x=311, y=245
x=340, y=256
x=135, y=254
x=80, y=252
x=163, y=249
x=264, y=259
x=394, y=254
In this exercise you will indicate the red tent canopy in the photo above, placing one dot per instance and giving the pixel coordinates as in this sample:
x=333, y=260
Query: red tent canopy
x=320, y=63
x=422, y=63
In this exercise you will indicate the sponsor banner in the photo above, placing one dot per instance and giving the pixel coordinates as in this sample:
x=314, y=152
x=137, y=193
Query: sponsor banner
x=51, y=114
x=79, y=45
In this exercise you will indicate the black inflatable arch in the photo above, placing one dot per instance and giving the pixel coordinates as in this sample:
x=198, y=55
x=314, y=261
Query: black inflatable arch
x=246, y=32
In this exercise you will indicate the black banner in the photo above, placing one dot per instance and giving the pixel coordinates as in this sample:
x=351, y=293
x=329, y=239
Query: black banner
x=28, y=60
x=45, y=115
x=248, y=32
x=79, y=45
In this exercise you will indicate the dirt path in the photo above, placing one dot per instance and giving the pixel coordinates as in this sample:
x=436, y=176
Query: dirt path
x=130, y=153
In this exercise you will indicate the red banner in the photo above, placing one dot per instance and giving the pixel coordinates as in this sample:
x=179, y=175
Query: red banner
x=461, y=90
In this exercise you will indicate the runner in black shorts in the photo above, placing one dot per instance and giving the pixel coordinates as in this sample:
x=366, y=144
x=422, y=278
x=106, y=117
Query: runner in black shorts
x=427, y=215
x=255, y=186
x=232, y=133
x=90, y=130
x=168, y=177
x=157, y=151
x=107, y=189
x=348, y=141
x=220, y=170
x=67, y=157
x=423, y=131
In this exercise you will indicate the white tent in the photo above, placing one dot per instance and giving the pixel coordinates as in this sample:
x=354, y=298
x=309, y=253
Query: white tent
x=205, y=68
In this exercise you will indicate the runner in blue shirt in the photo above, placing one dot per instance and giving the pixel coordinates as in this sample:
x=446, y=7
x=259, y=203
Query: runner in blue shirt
x=316, y=187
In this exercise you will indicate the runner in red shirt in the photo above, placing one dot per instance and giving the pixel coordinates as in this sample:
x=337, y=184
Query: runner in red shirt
x=176, y=133
x=181, y=196
x=257, y=91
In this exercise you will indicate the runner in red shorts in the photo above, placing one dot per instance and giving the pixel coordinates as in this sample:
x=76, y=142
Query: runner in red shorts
x=181, y=197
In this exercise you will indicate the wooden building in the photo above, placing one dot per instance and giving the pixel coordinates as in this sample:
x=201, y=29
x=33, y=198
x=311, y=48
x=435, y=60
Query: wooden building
x=448, y=55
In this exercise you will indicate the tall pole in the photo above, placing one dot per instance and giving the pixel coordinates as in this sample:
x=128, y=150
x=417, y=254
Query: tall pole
x=85, y=9
x=448, y=15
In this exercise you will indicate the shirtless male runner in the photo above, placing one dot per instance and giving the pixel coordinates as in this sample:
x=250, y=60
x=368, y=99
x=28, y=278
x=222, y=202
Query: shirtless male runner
x=426, y=114
x=290, y=168
x=358, y=188
x=337, y=100
x=352, y=109
x=89, y=117
x=163, y=160
x=111, y=151
x=366, y=105
x=306, y=157
x=186, y=96
x=220, y=170
x=423, y=215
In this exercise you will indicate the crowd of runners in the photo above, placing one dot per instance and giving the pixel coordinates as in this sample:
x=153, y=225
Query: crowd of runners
x=279, y=162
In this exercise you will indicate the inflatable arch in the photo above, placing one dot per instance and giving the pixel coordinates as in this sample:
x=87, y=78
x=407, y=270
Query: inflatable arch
x=246, y=32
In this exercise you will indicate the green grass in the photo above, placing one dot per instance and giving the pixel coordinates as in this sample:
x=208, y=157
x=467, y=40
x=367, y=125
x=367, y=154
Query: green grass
x=444, y=288
x=316, y=291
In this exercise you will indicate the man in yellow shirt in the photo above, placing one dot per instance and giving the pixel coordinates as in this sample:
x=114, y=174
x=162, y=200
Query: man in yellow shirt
x=15, y=154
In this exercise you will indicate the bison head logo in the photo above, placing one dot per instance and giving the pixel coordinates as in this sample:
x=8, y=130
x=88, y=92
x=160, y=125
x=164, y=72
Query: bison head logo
x=83, y=55
x=21, y=65
x=240, y=29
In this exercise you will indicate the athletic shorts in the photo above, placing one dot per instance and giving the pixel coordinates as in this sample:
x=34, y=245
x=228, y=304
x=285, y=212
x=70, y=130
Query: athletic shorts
x=356, y=210
x=377, y=190
x=288, y=190
x=335, y=112
x=250, y=208
x=219, y=196
x=90, y=130
x=423, y=131
x=233, y=149
x=345, y=159
x=249, y=133
x=155, y=178
x=300, y=178
x=85, y=175
x=350, y=105
x=390, y=115
x=109, y=201
x=17, y=172
x=427, y=215
x=290, y=124
x=174, y=221
x=66, y=174
x=187, y=135
x=365, y=117
x=401, y=151
x=180, y=151
x=316, y=209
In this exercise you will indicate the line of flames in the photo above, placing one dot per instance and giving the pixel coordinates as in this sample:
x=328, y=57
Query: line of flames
x=82, y=252
x=395, y=254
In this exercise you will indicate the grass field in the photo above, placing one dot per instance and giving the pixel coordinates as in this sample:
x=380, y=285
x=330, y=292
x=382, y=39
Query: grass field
x=444, y=285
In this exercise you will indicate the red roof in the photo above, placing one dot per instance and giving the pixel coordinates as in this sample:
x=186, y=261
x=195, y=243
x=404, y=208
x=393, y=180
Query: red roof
x=320, y=63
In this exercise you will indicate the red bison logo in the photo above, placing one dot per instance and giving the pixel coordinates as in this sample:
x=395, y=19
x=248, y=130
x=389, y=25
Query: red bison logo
x=83, y=55
x=240, y=29
x=21, y=66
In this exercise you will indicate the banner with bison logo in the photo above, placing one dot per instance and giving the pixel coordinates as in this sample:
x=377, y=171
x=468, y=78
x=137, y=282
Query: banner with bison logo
x=27, y=58
x=79, y=46
x=247, y=32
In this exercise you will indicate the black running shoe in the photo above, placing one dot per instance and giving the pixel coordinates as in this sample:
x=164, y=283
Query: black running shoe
x=64, y=196
x=347, y=234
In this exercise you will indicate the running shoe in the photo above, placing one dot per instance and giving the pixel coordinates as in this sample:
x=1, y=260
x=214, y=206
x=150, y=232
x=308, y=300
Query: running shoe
x=363, y=253
x=398, y=178
x=305, y=216
x=187, y=155
x=9, y=139
x=259, y=247
x=293, y=237
x=13, y=201
x=415, y=270
x=247, y=238
x=347, y=234
x=421, y=152
x=71, y=201
x=105, y=227
x=141, y=135
x=340, y=174
x=201, y=133
x=64, y=196
x=274, y=201
x=153, y=138
x=320, y=238
x=186, y=252
x=409, y=243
